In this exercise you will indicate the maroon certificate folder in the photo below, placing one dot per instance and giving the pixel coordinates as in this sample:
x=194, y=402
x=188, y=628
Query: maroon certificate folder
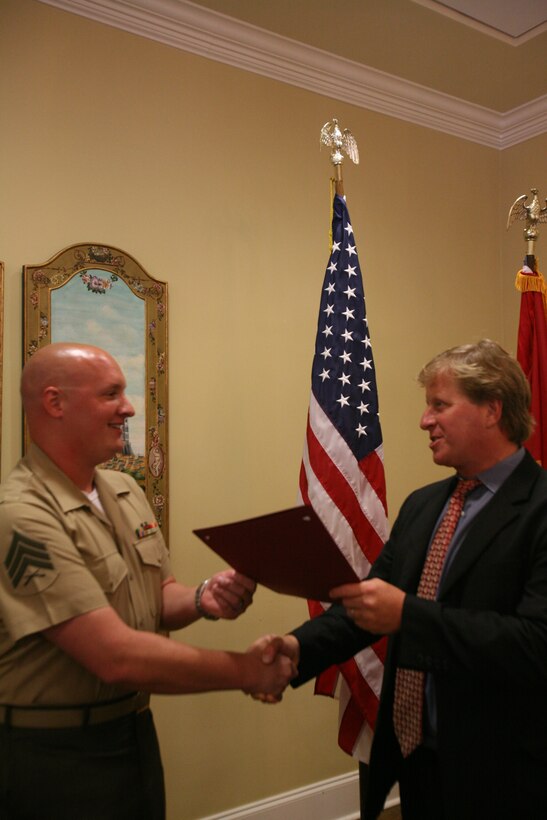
x=288, y=551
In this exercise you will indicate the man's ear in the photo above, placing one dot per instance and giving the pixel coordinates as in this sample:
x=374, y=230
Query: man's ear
x=52, y=400
x=494, y=412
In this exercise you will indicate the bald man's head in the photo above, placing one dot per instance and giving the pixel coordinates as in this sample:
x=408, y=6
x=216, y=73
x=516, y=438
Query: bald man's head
x=61, y=365
x=75, y=403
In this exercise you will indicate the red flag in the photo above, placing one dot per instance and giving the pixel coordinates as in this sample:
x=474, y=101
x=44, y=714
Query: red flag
x=342, y=473
x=532, y=351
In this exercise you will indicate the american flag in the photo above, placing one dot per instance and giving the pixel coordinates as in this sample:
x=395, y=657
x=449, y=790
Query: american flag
x=342, y=473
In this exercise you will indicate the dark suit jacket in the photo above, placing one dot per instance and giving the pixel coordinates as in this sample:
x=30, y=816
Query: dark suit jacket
x=484, y=641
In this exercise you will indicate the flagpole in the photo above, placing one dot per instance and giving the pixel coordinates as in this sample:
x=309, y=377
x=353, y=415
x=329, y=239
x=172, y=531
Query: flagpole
x=532, y=330
x=338, y=180
x=343, y=143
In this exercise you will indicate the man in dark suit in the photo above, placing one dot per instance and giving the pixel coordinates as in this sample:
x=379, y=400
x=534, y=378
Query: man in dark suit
x=476, y=635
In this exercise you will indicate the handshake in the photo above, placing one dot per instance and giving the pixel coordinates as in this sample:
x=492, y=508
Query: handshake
x=273, y=663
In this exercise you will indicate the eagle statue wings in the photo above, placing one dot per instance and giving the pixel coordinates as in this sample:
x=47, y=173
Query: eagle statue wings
x=341, y=142
x=532, y=213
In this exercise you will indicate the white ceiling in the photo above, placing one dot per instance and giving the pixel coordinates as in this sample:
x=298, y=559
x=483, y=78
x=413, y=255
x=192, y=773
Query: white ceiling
x=510, y=20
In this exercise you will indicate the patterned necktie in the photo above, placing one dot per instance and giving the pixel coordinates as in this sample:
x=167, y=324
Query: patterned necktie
x=409, y=683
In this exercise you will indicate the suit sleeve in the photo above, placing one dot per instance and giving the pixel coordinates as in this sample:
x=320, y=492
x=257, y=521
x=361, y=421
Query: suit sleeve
x=333, y=637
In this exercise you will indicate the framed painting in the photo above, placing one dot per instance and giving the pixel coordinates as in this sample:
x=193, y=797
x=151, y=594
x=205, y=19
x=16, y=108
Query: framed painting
x=100, y=295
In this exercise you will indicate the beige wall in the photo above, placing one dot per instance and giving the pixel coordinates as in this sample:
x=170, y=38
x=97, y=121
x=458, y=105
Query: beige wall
x=213, y=179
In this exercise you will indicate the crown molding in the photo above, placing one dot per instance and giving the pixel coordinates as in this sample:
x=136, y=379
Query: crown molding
x=198, y=30
x=522, y=123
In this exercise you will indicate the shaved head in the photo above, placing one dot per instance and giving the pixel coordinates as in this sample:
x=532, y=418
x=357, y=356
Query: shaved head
x=62, y=364
x=76, y=407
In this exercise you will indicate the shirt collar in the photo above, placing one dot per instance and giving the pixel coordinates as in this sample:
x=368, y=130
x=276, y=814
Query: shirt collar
x=67, y=494
x=495, y=476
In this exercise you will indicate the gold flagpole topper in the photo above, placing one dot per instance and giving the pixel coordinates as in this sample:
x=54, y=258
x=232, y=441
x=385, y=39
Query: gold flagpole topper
x=341, y=142
x=532, y=213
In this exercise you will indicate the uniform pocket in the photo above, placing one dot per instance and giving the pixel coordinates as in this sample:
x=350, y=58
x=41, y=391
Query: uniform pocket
x=150, y=550
x=109, y=570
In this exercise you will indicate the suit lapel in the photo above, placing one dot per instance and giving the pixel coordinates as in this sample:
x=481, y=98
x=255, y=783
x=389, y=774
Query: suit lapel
x=503, y=507
x=418, y=534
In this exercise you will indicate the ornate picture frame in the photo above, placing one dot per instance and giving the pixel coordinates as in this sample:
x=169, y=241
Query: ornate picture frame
x=1, y=350
x=100, y=295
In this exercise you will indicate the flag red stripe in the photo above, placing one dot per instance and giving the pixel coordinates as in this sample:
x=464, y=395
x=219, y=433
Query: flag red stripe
x=341, y=492
x=350, y=727
x=304, y=485
x=372, y=468
x=361, y=690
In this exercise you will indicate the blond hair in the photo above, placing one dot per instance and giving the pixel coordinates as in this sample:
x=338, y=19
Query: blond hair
x=485, y=371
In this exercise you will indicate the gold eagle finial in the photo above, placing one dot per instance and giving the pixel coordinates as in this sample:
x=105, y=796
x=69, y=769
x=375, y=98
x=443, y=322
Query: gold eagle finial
x=341, y=142
x=532, y=213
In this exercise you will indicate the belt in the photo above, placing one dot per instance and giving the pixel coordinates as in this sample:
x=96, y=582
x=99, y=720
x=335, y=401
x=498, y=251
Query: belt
x=69, y=717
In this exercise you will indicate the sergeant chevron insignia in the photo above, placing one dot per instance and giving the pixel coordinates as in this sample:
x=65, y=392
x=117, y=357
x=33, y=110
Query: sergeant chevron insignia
x=29, y=565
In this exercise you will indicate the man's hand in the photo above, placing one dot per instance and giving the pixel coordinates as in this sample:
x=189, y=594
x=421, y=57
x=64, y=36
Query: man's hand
x=228, y=594
x=374, y=605
x=270, y=649
x=276, y=667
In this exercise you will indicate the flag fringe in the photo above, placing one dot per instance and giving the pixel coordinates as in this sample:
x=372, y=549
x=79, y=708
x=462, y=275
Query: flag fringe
x=532, y=282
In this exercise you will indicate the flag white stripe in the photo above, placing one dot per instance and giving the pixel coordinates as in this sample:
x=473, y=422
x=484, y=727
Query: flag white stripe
x=361, y=747
x=334, y=521
x=341, y=455
x=371, y=668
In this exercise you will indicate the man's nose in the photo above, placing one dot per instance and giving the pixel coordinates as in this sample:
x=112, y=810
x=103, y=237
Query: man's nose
x=426, y=419
x=127, y=408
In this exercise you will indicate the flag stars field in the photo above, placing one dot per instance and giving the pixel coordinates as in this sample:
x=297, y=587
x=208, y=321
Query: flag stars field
x=343, y=308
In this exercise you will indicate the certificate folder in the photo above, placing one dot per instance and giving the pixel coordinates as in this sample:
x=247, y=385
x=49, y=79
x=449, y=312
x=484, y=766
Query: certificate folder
x=289, y=551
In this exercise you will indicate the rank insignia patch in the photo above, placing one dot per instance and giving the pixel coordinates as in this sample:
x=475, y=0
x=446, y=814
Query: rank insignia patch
x=28, y=564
